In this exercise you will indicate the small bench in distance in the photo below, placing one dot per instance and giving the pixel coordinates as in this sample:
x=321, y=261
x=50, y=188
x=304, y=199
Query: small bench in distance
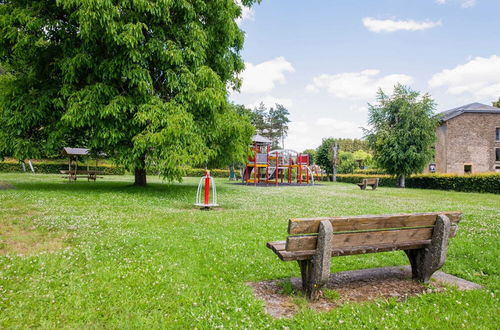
x=369, y=182
x=313, y=242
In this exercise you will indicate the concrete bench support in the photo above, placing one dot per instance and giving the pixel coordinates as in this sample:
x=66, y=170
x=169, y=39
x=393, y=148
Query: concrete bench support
x=424, y=262
x=315, y=272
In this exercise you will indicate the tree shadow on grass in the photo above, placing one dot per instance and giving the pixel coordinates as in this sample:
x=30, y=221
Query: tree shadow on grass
x=183, y=189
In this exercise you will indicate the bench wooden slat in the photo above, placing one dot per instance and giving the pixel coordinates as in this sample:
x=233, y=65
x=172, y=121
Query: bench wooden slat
x=369, y=222
x=345, y=240
x=279, y=249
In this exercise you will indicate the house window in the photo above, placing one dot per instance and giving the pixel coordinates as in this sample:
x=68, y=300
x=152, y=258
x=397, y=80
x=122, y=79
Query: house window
x=497, y=134
x=467, y=168
x=497, y=155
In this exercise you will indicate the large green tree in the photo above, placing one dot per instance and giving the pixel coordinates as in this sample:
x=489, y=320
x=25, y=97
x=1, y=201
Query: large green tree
x=403, y=131
x=497, y=103
x=144, y=81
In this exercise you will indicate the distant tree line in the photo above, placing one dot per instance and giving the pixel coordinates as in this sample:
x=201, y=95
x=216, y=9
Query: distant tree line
x=353, y=154
x=271, y=123
x=497, y=103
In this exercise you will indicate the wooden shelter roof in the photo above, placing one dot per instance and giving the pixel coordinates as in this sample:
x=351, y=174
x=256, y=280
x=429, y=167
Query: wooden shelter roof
x=76, y=151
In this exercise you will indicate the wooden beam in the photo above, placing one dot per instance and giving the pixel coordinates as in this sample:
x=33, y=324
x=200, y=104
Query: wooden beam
x=369, y=238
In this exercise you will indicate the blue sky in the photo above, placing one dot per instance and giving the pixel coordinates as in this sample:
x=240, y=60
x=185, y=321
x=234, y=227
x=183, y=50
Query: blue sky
x=325, y=59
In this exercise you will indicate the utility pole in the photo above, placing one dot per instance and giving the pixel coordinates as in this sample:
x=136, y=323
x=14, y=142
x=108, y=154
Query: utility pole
x=335, y=149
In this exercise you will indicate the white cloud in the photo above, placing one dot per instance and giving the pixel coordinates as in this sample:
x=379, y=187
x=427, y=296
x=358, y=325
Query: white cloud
x=301, y=136
x=463, y=3
x=355, y=85
x=468, y=3
x=479, y=77
x=358, y=109
x=247, y=13
x=389, y=25
x=270, y=101
x=342, y=127
x=262, y=78
x=305, y=134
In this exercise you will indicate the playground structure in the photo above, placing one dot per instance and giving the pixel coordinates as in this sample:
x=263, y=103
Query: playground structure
x=282, y=166
x=206, y=182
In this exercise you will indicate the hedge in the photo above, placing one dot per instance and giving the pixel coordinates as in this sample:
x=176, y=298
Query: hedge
x=485, y=182
x=54, y=168
x=216, y=173
x=369, y=171
x=51, y=167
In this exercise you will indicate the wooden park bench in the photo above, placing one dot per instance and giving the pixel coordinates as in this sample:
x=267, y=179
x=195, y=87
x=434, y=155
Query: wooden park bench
x=369, y=182
x=312, y=242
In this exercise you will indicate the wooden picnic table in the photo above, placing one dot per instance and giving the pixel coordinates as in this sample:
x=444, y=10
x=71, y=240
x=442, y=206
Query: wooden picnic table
x=72, y=175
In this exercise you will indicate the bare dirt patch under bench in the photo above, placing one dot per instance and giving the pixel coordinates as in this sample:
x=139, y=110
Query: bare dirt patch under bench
x=354, y=286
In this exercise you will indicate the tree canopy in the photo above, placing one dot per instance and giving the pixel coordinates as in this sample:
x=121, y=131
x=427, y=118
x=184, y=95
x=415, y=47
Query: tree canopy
x=347, y=161
x=144, y=81
x=497, y=103
x=324, y=155
x=272, y=123
x=351, y=151
x=403, y=131
x=352, y=145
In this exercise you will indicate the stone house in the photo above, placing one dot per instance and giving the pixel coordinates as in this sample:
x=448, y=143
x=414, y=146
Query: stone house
x=469, y=140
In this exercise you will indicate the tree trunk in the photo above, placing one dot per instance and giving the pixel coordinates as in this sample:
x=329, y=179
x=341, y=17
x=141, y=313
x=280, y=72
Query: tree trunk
x=140, y=173
x=401, y=183
x=140, y=177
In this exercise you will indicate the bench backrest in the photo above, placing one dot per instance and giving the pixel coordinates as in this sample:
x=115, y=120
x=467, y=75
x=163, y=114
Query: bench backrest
x=367, y=230
x=370, y=181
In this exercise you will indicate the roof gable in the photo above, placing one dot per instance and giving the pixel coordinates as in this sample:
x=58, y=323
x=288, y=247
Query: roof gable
x=469, y=108
x=260, y=139
x=76, y=151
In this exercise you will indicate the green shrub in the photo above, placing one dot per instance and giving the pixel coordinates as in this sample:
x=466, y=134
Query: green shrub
x=485, y=182
x=54, y=168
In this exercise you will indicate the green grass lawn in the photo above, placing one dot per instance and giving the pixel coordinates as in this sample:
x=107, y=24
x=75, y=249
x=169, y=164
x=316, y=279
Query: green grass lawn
x=106, y=254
